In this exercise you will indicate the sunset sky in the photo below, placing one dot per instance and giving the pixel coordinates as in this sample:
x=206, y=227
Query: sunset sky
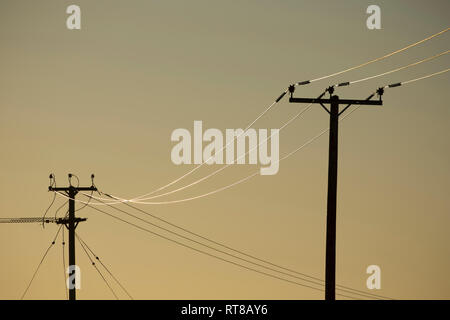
x=105, y=100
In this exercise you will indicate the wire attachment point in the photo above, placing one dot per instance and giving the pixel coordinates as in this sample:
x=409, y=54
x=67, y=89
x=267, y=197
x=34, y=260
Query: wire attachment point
x=330, y=90
x=380, y=91
x=52, y=181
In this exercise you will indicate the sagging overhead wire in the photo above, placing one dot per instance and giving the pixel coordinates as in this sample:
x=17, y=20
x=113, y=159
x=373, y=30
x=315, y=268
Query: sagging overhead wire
x=296, y=116
x=315, y=281
x=213, y=255
x=373, y=60
x=205, y=245
x=145, y=196
x=342, y=288
x=200, y=165
x=398, y=84
x=257, y=172
x=291, y=153
x=120, y=200
x=236, y=250
x=343, y=84
x=286, y=124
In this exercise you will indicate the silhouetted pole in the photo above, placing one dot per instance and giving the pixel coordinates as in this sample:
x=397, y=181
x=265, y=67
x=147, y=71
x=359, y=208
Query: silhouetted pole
x=71, y=223
x=334, y=101
x=330, y=259
x=71, y=228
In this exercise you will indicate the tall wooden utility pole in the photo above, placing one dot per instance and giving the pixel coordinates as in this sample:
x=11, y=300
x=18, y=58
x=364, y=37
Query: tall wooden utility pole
x=334, y=101
x=71, y=222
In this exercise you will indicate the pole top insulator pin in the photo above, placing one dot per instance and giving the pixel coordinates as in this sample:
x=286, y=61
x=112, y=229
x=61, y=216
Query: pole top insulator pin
x=330, y=90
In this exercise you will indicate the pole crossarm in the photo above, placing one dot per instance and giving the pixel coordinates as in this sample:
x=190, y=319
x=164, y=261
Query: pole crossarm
x=67, y=189
x=341, y=101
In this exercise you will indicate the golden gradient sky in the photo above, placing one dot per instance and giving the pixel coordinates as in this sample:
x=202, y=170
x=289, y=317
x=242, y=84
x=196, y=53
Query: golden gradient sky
x=105, y=99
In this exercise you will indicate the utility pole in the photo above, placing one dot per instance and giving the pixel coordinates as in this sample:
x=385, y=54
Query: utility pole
x=334, y=101
x=71, y=222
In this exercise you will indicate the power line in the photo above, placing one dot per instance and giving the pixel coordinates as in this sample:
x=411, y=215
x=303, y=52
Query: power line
x=341, y=288
x=357, y=107
x=95, y=266
x=102, y=203
x=243, y=179
x=342, y=84
x=416, y=79
x=239, y=251
x=304, y=110
x=218, y=170
x=142, y=197
x=299, y=114
x=119, y=200
x=209, y=254
x=199, y=196
x=231, y=255
x=40, y=263
x=373, y=60
x=205, y=245
x=249, y=176
x=208, y=193
x=281, y=159
x=200, y=165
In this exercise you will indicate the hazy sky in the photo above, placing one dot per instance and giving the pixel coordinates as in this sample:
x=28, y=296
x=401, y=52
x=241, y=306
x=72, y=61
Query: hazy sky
x=105, y=100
